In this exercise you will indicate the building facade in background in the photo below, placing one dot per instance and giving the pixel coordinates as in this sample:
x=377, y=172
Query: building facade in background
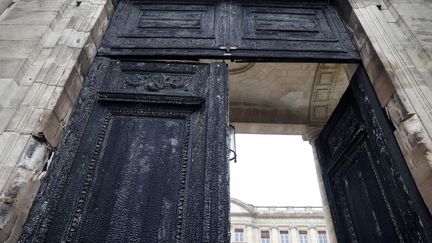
x=269, y=224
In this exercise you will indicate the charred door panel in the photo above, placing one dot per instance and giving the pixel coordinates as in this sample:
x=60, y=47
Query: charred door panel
x=168, y=28
x=371, y=193
x=270, y=30
x=144, y=159
x=311, y=31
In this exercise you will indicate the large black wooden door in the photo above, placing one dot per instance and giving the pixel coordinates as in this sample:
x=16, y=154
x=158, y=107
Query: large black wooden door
x=371, y=193
x=144, y=158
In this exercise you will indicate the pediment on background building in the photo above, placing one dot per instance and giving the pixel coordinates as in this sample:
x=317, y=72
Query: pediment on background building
x=239, y=207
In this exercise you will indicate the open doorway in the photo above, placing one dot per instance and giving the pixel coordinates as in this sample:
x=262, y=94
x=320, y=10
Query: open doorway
x=275, y=195
x=277, y=108
x=274, y=170
x=361, y=165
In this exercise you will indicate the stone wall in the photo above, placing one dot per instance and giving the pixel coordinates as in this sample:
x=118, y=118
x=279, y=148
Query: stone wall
x=46, y=48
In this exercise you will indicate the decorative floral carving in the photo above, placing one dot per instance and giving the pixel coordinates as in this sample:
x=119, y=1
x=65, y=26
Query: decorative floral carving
x=157, y=82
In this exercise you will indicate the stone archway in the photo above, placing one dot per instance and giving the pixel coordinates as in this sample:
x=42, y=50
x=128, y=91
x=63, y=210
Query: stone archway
x=398, y=74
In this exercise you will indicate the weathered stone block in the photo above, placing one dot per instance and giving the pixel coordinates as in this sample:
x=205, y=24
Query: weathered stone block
x=45, y=97
x=73, y=84
x=30, y=75
x=24, y=120
x=9, y=163
x=13, y=124
x=9, y=67
x=65, y=55
x=46, y=5
x=56, y=76
x=52, y=36
x=40, y=59
x=83, y=63
x=4, y=85
x=7, y=139
x=63, y=106
x=422, y=167
x=356, y=31
x=15, y=202
x=32, y=121
x=6, y=115
x=22, y=31
x=50, y=128
x=45, y=73
x=54, y=98
x=14, y=95
x=31, y=95
x=16, y=49
x=383, y=86
x=425, y=191
x=16, y=16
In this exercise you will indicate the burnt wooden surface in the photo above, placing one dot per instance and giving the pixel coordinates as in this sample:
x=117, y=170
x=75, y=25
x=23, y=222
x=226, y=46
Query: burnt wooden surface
x=144, y=158
x=370, y=191
x=167, y=28
x=309, y=31
x=298, y=31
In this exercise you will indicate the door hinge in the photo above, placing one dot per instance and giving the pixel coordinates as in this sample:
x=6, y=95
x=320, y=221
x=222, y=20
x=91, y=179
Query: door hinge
x=228, y=47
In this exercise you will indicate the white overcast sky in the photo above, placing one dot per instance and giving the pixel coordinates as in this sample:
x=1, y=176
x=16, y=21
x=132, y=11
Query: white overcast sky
x=274, y=170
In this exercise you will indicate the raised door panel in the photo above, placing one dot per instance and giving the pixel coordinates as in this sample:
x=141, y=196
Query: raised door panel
x=144, y=158
x=371, y=193
x=290, y=31
x=168, y=28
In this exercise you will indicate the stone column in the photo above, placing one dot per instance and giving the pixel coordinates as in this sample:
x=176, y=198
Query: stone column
x=313, y=235
x=249, y=234
x=274, y=235
x=294, y=235
x=232, y=233
x=328, y=218
x=256, y=235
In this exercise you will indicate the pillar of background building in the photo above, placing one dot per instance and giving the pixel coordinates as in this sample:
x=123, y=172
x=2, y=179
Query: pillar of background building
x=256, y=235
x=313, y=235
x=249, y=233
x=294, y=235
x=274, y=236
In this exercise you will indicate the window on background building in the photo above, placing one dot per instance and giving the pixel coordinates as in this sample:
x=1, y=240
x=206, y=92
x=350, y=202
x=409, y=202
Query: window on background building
x=322, y=236
x=284, y=236
x=303, y=236
x=238, y=235
x=265, y=236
